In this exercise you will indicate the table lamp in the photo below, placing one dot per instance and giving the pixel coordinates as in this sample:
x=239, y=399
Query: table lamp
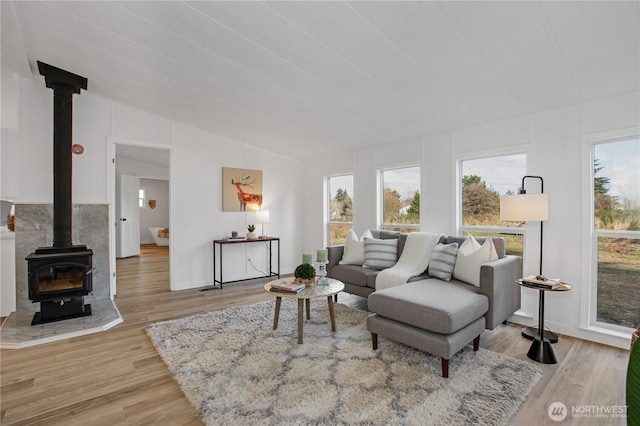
x=262, y=216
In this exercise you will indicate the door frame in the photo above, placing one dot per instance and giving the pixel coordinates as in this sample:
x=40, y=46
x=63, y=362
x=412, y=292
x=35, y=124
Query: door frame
x=112, y=143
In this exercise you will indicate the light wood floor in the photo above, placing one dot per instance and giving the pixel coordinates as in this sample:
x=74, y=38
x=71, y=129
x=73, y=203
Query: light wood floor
x=117, y=377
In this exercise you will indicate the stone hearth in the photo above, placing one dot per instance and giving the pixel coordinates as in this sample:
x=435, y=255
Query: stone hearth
x=17, y=331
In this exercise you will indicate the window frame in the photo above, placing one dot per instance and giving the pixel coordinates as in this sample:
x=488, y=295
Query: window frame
x=380, y=210
x=589, y=302
x=142, y=200
x=327, y=191
x=460, y=226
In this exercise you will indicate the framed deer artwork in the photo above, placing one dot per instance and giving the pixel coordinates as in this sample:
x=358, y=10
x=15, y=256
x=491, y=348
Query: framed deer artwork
x=241, y=189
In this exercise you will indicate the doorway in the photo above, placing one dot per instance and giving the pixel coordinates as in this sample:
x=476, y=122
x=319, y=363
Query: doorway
x=139, y=191
x=152, y=199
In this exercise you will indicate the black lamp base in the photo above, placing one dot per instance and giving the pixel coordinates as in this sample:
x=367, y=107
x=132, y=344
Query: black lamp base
x=532, y=332
x=542, y=351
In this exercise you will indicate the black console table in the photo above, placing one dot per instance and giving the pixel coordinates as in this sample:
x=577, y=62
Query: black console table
x=217, y=250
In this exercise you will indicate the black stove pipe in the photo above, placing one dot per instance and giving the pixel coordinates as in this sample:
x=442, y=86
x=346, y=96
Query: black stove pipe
x=64, y=85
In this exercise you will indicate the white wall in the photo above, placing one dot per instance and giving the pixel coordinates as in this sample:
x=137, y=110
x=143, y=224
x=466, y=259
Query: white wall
x=10, y=136
x=128, y=166
x=13, y=63
x=293, y=192
x=196, y=169
x=553, y=143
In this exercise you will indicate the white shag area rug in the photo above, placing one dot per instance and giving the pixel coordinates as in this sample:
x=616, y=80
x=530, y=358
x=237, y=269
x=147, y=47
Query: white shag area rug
x=235, y=369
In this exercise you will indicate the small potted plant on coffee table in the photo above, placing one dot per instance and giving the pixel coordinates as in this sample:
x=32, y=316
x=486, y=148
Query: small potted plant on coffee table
x=304, y=273
x=251, y=235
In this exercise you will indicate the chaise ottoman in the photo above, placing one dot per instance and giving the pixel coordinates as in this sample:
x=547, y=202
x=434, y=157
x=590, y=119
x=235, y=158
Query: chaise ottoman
x=431, y=315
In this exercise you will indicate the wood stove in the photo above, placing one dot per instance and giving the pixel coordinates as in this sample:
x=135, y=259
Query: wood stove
x=60, y=276
x=58, y=279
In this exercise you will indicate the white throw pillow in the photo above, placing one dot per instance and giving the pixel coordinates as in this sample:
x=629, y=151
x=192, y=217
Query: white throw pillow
x=380, y=254
x=471, y=256
x=353, y=253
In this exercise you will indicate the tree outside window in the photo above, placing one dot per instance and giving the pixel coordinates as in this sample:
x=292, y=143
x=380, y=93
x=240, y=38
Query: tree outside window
x=401, y=199
x=616, y=231
x=340, y=204
x=483, y=181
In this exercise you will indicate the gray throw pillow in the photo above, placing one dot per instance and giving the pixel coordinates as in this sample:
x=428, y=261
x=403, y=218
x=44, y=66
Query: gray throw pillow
x=380, y=254
x=443, y=261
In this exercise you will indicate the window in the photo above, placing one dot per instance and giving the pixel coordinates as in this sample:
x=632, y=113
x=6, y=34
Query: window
x=400, y=199
x=340, y=205
x=141, y=203
x=615, y=243
x=483, y=181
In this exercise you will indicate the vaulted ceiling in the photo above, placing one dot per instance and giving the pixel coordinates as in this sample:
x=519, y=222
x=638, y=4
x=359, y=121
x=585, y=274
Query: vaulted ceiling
x=309, y=78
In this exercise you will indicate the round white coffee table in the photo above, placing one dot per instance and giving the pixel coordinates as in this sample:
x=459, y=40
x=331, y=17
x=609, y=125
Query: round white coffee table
x=332, y=288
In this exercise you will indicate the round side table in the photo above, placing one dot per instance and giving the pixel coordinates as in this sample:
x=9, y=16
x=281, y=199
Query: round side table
x=329, y=290
x=541, y=349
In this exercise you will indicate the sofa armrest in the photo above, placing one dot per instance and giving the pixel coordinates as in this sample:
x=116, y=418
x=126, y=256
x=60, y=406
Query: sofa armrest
x=498, y=283
x=334, y=256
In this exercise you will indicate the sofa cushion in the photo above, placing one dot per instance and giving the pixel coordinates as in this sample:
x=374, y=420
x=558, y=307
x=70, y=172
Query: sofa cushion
x=371, y=279
x=354, y=274
x=443, y=260
x=385, y=235
x=431, y=305
x=471, y=256
x=380, y=254
x=423, y=276
x=354, y=248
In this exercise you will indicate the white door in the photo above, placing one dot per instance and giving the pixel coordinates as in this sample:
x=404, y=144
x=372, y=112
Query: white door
x=127, y=216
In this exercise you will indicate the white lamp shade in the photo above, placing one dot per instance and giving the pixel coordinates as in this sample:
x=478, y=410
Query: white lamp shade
x=262, y=216
x=524, y=207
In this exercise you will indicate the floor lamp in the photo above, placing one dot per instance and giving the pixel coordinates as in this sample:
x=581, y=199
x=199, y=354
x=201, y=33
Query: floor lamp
x=525, y=207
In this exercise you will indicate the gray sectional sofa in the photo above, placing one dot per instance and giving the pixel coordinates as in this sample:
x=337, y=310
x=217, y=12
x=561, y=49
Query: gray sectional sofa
x=430, y=314
x=497, y=278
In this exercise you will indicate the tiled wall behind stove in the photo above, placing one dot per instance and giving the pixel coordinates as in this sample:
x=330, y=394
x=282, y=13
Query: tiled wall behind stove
x=34, y=228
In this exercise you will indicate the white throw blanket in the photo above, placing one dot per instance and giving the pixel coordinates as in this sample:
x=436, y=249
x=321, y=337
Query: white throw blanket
x=413, y=260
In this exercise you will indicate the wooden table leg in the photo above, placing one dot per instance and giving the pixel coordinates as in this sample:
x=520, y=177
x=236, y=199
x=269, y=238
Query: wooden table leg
x=308, y=303
x=300, y=319
x=276, y=315
x=332, y=314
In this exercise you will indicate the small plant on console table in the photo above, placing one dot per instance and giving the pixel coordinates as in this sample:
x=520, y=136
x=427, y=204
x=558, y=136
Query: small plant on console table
x=251, y=235
x=304, y=273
